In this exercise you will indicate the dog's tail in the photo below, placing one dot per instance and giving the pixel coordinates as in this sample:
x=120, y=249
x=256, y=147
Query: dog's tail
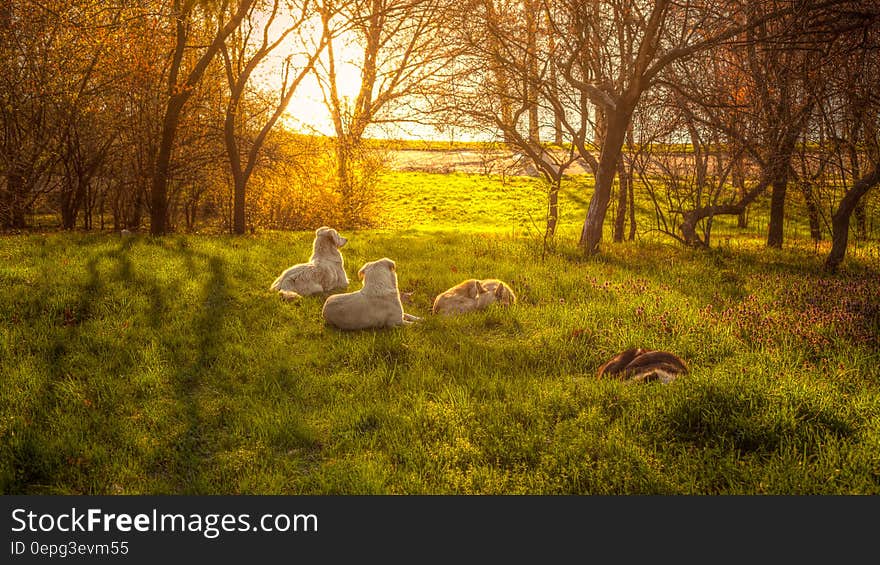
x=284, y=293
x=276, y=285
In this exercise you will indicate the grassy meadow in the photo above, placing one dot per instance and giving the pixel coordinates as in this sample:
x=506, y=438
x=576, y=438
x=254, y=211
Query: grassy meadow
x=165, y=366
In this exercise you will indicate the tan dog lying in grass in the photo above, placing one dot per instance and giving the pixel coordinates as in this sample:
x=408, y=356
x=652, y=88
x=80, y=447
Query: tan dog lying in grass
x=643, y=365
x=323, y=272
x=473, y=294
x=376, y=305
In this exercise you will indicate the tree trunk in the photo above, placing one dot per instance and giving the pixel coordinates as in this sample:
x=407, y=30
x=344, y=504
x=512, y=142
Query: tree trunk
x=12, y=207
x=777, y=211
x=855, y=166
x=691, y=218
x=552, y=210
x=780, y=164
x=159, y=192
x=622, y=197
x=343, y=178
x=600, y=125
x=88, y=203
x=840, y=220
x=738, y=176
x=73, y=201
x=101, y=206
x=137, y=212
x=178, y=94
x=68, y=209
x=238, y=179
x=632, y=206
x=812, y=212
x=616, y=125
x=238, y=80
x=238, y=216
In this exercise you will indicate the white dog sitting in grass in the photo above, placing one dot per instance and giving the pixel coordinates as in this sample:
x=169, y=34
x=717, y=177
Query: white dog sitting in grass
x=324, y=271
x=376, y=305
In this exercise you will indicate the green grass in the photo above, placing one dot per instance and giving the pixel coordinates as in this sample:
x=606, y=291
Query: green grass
x=165, y=366
x=461, y=202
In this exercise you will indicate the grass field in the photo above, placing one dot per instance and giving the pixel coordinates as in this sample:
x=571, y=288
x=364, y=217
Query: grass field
x=166, y=366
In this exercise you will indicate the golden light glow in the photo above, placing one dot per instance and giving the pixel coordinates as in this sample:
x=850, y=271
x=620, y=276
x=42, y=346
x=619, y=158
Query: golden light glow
x=308, y=111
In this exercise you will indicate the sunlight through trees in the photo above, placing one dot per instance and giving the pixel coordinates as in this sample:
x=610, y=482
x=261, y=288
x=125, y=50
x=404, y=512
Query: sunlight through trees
x=175, y=115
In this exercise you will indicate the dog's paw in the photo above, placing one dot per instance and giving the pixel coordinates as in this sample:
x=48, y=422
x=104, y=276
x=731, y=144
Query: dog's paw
x=406, y=297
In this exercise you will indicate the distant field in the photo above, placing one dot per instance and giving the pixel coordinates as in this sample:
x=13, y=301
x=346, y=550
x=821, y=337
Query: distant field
x=470, y=202
x=517, y=205
x=166, y=366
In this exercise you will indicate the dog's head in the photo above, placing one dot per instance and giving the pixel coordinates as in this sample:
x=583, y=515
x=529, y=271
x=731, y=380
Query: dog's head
x=497, y=292
x=504, y=295
x=330, y=236
x=379, y=275
x=472, y=288
x=327, y=244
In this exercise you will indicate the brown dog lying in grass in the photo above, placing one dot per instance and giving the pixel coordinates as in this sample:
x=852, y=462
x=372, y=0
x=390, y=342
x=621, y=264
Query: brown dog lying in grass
x=644, y=365
x=473, y=294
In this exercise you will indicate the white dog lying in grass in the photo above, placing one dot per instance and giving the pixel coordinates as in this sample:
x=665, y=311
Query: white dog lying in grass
x=323, y=272
x=473, y=294
x=376, y=305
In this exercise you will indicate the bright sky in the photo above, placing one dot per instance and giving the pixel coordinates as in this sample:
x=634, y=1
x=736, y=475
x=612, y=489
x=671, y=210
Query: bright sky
x=307, y=111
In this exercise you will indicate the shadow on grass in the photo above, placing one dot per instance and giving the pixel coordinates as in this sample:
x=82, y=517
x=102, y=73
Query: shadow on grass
x=191, y=450
x=41, y=462
x=37, y=463
x=741, y=417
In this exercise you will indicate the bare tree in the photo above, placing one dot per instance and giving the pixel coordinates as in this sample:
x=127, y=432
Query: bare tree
x=504, y=83
x=591, y=69
x=853, y=81
x=646, y=37
x=771, y=111
x=31, y=41
x=759, y=98
x=240, y=61
x=181, y=84
x=398, y=50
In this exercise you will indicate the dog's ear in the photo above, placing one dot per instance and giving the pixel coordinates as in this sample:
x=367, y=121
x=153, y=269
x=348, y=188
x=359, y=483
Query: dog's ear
x=391, y=266
x=499, y=291
x=475, y=289
x=338, y=240
x=363, y=271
